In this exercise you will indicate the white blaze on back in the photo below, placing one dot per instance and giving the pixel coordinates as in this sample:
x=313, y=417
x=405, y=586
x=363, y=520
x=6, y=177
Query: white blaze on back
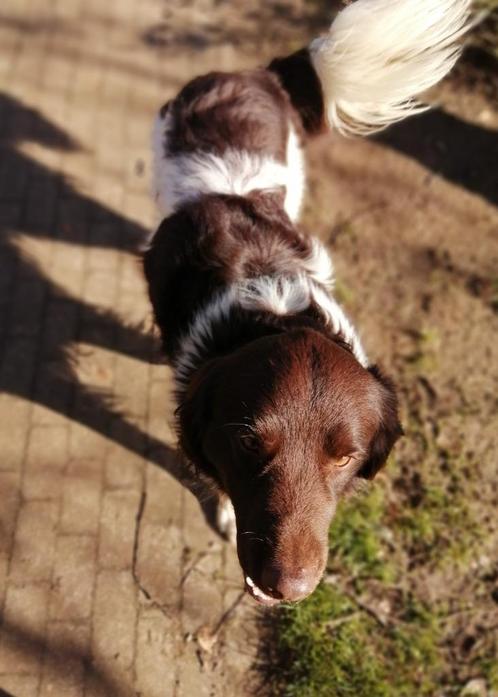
x=184, y=177
x=280, y=295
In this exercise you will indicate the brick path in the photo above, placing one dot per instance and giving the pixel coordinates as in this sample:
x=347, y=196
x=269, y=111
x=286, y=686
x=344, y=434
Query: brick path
x=107, y=568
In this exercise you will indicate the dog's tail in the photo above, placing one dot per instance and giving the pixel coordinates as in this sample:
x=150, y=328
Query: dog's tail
x=377, y=56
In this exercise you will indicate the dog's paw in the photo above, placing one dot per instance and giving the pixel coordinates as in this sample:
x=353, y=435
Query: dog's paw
x=225, y=520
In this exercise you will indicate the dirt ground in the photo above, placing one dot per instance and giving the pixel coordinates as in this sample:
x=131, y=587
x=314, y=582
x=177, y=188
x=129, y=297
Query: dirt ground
x=110, y=581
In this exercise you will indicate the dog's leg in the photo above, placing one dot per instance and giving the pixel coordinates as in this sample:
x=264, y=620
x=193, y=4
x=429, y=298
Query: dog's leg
x=225, y=519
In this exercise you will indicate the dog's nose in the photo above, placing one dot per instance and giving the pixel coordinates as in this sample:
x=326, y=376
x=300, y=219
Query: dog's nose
x=288, y=585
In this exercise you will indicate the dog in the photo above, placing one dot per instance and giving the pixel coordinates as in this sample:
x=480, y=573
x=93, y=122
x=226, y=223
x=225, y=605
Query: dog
x=277, y=404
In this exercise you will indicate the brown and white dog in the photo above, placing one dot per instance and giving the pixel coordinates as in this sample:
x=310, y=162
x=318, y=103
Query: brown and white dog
x=277, y=404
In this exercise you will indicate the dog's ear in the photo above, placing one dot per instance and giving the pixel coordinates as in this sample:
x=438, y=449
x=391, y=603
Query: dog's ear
x=163, y=264
x=193, y=417
x=388, y=430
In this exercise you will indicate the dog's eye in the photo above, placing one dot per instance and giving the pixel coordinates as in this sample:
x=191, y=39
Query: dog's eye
x=249, y=442
x=343, y=461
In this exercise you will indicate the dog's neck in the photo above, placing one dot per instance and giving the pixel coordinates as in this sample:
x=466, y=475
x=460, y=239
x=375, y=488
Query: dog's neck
x=256, y=307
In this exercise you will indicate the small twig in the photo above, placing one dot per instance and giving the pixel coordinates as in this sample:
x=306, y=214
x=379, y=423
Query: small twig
x=454, y=613
x=207, y=637
x=333, y=624
x=136, y=543
x=200, y=556
x=362, y=606
x=369, y=610
x=229, y=612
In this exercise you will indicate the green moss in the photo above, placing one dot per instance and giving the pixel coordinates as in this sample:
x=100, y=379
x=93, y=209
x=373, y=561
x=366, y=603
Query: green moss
x=357, y=535
x=424, y=358
x=343, y=293
x=334, y=650
x=440, y=528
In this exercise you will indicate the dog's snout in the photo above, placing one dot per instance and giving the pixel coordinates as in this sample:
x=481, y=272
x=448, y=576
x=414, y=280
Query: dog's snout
x=289, y=584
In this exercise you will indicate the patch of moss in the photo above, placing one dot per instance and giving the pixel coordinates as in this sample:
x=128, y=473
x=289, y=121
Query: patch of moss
x=424, y=358
x=357, y=537
x=343, y=293
x=429, y=529
x=333, y=650
x=489, y=666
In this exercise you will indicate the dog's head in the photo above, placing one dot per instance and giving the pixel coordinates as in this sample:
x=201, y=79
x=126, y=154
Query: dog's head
x=284, y=425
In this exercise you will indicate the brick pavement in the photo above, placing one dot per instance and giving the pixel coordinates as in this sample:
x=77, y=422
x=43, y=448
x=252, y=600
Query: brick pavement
x=107, y=568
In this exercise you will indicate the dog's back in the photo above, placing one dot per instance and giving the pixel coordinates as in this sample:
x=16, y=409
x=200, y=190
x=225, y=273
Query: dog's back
x=228, y=133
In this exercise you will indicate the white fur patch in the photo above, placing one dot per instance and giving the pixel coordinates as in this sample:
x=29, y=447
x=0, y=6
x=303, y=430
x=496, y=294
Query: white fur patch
x=380, y=54
x=337, y=319
x=185, y=177
x=296, y=176
x=319, y=265
x=200, y=332
x=281, y=295
x=225, y=520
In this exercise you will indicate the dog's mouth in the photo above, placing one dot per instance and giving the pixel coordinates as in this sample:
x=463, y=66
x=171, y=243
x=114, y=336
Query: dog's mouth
x=259, y=595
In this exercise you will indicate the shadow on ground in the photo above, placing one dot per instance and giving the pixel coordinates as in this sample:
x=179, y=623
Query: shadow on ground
x=5, y=694
x=39, y=320
x=62, y=656
x=461, y=152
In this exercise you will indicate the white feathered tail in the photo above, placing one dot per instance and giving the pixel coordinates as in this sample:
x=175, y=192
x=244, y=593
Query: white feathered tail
x=379, y=54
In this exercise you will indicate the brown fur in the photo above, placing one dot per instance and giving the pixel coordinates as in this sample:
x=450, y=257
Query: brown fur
x=299, y=79
x=268, y=423
x=211, y=243
x=246, y=111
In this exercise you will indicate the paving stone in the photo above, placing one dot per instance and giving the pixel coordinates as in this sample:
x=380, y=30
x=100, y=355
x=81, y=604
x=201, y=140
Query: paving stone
x=60, y=325
x=66, y=652
x=115, y=618
x=11, y=501
x=81, y=497
x=202, y=596
x=18, y=366
x=73, y=578
x=132, y=376
x=22, y=634
x=20, y=685
x=85, y=442
x=117, y=528
x=159, y=564
x=45, y=462
x=156, y=662
x=194, y=680
x=34, y=542
x=4, y=567
x=108, y=679
x=161, y=418
x=122, y=470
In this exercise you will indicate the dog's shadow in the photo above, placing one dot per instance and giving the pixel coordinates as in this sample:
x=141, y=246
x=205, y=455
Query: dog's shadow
x=40, y=321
